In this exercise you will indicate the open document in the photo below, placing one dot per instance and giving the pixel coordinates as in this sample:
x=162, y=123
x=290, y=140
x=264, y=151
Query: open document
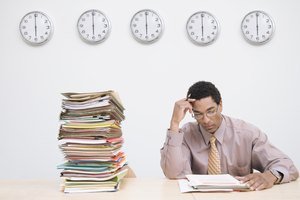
x=211, y=183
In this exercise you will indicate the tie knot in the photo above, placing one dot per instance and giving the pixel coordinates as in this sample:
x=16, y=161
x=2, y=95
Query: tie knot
x=212, y=140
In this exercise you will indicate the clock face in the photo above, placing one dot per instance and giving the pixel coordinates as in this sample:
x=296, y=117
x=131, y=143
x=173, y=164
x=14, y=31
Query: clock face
x=93, y=26
x=202, y=28
x=146, y=26
x=36, y=28
x=257, y=27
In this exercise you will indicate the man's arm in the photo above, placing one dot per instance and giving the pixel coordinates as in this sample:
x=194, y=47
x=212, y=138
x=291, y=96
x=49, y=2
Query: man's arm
x=175, y=155
x=267, y=159
x=179, y=111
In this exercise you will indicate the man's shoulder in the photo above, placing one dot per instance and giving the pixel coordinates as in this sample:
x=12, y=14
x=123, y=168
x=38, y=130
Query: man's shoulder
x=239, y=124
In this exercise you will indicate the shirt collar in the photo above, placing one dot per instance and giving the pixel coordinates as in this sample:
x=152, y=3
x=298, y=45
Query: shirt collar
x=219, y=134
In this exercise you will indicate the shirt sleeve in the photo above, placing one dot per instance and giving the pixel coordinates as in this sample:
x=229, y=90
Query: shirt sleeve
x=175, y=156
x=265, y=157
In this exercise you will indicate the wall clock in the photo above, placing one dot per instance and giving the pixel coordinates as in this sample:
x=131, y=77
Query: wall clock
x=146, y=26
x=93, y=26
x=36, y=28
x=202, y=28
x=257, y=27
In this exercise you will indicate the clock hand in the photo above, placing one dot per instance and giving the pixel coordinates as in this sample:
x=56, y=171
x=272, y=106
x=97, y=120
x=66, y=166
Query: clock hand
x=202, y=24
x=257, y=24
x=35, y=28
x=93, y=14
x=146, y=13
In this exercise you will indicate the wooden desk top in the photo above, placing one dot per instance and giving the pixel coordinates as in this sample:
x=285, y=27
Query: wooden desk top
x=131, y=189
x=137, y=188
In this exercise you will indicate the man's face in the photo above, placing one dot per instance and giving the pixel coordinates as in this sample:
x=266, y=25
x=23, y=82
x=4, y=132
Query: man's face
x=208, y=114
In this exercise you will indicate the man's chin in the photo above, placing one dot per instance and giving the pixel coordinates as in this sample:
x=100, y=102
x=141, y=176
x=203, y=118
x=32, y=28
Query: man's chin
x=211, y=129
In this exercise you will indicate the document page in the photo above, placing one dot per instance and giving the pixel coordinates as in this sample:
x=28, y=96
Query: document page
x=207, y=183
x=224, y=181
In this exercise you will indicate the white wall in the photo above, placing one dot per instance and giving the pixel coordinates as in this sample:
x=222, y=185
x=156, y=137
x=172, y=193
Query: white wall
x=258, y=84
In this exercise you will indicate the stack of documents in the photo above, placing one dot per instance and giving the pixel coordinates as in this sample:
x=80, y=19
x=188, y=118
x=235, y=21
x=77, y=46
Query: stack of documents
x=211, y=183
x=90, y=138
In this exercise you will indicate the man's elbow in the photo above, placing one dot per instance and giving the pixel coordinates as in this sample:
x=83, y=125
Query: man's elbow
x=173, y=174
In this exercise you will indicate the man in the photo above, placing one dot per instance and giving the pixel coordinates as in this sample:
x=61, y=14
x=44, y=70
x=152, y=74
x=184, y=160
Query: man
x=240, y=146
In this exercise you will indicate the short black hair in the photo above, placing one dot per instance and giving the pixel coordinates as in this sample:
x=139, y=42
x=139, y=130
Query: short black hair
x=203, y=89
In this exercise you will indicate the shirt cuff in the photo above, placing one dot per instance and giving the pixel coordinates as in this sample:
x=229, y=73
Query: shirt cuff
x=284, y=173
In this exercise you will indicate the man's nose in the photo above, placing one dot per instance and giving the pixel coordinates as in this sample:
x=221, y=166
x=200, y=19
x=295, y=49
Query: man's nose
x=205, y=119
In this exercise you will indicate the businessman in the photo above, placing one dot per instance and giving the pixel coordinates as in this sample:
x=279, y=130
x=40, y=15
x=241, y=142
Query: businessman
x=218, y=144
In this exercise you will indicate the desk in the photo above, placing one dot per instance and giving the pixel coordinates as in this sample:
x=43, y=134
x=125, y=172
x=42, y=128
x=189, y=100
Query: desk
x=137, y=189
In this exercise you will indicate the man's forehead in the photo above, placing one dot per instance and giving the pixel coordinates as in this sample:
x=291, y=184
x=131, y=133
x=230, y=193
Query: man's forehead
x=204, y=103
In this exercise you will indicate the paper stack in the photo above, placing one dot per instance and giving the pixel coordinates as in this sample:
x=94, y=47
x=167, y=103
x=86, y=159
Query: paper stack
x=211, y=183
x=90, y=138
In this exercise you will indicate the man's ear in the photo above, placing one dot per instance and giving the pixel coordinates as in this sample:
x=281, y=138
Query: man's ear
x=220, y=106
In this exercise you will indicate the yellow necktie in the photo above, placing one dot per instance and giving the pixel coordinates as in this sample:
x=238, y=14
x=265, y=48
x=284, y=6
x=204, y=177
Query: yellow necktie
x=214, y=166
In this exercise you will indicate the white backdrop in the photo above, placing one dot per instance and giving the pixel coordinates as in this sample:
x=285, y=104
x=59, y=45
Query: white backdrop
x=259, y=84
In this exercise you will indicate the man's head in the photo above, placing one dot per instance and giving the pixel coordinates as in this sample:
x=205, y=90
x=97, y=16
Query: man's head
x=208, y=105
x=202, y=89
